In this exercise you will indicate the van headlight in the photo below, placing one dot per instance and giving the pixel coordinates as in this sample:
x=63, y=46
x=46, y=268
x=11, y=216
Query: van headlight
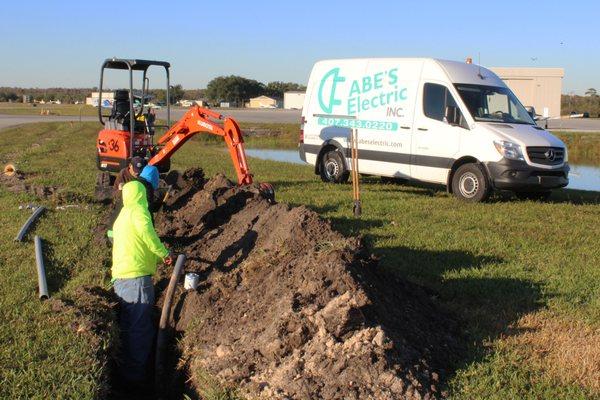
x=509, y=150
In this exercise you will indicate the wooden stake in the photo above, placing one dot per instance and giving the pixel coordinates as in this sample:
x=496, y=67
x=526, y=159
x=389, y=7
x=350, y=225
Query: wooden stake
x=357, y=207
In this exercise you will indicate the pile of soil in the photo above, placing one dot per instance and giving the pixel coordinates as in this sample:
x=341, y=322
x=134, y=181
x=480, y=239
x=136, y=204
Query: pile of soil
x=17, y=183
x=20, y=182
x=287, y=308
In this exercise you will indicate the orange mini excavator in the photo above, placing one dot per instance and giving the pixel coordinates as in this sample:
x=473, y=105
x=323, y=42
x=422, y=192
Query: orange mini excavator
x=129, y=129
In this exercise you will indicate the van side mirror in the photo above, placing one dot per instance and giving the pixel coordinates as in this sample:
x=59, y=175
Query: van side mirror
x=453, y=116
x=532, y=113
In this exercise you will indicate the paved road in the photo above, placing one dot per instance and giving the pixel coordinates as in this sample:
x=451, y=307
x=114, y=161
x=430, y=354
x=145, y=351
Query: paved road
x=12, y=120
x=275, y=116
x=574, y=124
x=242, y=115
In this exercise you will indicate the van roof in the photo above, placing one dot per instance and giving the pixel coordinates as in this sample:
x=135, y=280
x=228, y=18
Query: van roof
x=456, y=71
x=461, y=72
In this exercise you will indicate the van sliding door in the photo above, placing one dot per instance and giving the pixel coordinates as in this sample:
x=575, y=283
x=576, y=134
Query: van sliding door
x=435, y=141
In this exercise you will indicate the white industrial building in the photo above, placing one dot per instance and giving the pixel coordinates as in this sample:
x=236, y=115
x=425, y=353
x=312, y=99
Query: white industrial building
x=540, y=88
x=293, y=100
x=107, y=98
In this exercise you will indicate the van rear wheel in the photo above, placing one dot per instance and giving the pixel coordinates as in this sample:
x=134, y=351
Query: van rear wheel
x=469, y=183
x=333, y=168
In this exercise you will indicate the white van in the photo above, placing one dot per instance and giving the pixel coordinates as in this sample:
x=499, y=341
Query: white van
x=429, y=120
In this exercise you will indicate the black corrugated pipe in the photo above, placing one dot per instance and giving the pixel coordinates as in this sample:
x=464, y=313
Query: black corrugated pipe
x=162, y=337
x=38, y=211
x=41, y=271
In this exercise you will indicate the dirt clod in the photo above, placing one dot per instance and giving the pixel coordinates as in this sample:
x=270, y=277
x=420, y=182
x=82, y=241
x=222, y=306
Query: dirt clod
x=288, y=308
x=17, y=183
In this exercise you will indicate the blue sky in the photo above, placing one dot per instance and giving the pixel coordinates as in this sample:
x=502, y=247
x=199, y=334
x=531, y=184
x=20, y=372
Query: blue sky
x=52, y=43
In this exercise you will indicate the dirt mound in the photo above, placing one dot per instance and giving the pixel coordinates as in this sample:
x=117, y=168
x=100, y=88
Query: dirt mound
x=20, y=182
x=17, y=183
x=290, y=309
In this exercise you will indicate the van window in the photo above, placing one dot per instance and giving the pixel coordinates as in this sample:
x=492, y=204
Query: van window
x=493, y=104
x=435, y=100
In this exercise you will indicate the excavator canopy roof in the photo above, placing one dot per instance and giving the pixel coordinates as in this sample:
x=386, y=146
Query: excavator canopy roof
x=136, y=65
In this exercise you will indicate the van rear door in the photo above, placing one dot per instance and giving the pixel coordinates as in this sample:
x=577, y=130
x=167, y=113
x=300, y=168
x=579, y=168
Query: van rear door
x=374, y=96
x=325, y=115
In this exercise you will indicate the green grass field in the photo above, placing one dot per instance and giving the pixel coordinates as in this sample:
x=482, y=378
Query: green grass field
x=515, y=273
x=52, y=109
x=584, y=147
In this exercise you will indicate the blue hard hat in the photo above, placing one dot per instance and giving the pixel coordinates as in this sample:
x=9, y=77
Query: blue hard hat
x=150, y=174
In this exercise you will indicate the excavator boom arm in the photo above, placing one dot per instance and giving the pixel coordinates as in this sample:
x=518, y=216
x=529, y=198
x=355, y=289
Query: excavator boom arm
x=200, y=120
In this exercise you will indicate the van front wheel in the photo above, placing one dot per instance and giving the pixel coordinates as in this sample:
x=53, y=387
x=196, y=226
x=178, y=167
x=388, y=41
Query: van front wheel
x=470, y=184
x=333, y=169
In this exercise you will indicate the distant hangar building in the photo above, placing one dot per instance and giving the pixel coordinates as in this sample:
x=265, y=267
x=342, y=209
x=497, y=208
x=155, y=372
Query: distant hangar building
x=540, y=88
x=262, y=102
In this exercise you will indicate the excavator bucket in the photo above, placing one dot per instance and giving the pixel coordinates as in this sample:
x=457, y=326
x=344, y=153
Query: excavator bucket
x=267, y=191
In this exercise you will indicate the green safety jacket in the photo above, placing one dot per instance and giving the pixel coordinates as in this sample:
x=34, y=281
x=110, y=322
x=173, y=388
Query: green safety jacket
x=136, y=246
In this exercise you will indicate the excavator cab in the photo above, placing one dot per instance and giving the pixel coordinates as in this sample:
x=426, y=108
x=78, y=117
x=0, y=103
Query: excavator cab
x=129, y=128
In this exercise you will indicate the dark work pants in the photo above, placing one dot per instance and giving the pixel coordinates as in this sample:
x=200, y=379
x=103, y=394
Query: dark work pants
x=136, y=299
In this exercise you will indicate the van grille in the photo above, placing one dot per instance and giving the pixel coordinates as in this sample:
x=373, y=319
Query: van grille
x=546, y=155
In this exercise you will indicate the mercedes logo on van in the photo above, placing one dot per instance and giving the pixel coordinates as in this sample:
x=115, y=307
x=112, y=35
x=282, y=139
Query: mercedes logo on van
x=550, y=155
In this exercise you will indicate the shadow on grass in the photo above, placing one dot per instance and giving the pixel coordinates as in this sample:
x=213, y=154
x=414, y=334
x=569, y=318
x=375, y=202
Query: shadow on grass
x=559, y=196
x=487, y=307
x=354, y=226
x=322, y=209
x=574, y=196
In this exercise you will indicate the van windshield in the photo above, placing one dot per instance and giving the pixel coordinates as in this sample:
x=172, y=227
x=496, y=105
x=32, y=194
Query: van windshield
x=493, y=104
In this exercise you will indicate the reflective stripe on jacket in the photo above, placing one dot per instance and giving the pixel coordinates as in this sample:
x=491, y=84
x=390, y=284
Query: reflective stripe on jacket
x=136, y=246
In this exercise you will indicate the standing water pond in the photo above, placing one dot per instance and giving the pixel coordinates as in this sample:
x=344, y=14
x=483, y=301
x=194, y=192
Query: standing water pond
x=581, y=177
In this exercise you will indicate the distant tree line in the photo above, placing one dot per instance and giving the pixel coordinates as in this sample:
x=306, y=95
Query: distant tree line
x=589, y=103
x=72, y=95
x=231, y=88
x=49, y=94
x=238, y=89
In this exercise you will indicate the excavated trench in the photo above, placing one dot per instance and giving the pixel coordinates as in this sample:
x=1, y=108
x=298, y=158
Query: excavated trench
x=287, y=308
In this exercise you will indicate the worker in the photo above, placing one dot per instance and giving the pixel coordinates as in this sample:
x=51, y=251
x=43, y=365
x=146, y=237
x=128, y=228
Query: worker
x=150, y=177
x=129, y=173
x=136, y=251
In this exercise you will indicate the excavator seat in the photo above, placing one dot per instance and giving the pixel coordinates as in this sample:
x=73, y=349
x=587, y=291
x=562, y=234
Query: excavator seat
x=120, y=109
x=119, y=116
